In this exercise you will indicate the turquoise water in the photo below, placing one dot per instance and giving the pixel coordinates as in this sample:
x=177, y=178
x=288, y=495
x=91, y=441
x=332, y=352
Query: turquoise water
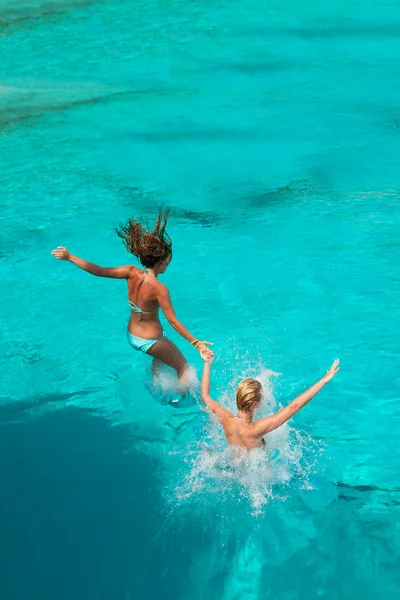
x=273, y=133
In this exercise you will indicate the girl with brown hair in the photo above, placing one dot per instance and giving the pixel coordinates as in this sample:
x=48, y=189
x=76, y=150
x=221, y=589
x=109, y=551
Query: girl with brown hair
x=153, y=248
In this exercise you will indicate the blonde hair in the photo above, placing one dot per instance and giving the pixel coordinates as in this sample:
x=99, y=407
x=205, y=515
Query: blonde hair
x=249, y=392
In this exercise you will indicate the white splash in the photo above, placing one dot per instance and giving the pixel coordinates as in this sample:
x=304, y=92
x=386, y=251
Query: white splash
x=166, y=387
x=260, y=475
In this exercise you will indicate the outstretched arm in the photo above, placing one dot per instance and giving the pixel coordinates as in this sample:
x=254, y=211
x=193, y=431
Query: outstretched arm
x=115, y=272
x=268, y=424
x=164, y=300
x=205, y=393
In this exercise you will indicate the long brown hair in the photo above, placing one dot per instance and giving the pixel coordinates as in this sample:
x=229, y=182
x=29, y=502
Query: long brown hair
x=149, y=246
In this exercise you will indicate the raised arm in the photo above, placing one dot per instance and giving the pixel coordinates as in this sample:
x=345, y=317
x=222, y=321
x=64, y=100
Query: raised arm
x=205, y=393
x=164, y=300
x=62, y=253
x=268, y=424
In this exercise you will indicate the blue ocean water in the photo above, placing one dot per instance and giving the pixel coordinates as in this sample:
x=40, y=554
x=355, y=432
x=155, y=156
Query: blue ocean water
x=272, y=131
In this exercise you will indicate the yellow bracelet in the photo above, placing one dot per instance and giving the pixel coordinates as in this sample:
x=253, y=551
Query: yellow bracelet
x=195, y=343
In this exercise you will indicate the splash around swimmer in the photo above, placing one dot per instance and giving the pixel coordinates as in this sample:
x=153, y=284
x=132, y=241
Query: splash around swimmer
x=146, y=296
x=240, y=430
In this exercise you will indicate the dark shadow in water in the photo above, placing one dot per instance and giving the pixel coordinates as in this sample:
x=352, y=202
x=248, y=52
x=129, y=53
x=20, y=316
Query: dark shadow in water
x=137, y=200
x=211, y=134
x=13, y=410
x=378, y=496
x=366, y=488
x=326, y=29
x=81, y=516
x=349, y=30
x=144, y=203
x=19, y=14
x=295, y=190
x=261, y=67
x=204, y=218
x=16, y=114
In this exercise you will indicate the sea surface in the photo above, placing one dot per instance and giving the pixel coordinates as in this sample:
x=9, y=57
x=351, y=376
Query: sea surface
x=272, y=130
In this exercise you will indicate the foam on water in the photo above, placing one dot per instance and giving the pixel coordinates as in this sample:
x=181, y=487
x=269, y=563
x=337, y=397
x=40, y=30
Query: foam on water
x=166, y=388
x=255, y=478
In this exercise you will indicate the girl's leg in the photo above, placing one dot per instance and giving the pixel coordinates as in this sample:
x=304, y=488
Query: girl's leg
x=155, y=367
x=165, y=351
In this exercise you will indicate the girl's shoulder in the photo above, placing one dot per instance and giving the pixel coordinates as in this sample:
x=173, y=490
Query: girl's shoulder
x=135, y=271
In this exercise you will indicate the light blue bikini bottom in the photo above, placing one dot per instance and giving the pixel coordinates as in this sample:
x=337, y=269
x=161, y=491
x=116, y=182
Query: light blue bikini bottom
x=140, y=343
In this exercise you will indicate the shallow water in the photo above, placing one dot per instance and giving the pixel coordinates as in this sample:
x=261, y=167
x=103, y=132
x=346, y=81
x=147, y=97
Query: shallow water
x=273, y=134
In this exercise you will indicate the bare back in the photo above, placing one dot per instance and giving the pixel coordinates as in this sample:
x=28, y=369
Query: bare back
x=142, y=292
x=240, y=433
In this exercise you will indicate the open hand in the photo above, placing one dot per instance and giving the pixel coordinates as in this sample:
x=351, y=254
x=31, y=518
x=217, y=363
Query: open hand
x=61, y=253
x=332, y=371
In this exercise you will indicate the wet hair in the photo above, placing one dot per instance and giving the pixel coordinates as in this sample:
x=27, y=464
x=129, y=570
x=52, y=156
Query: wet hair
x=149, y=246
x=249, y=391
